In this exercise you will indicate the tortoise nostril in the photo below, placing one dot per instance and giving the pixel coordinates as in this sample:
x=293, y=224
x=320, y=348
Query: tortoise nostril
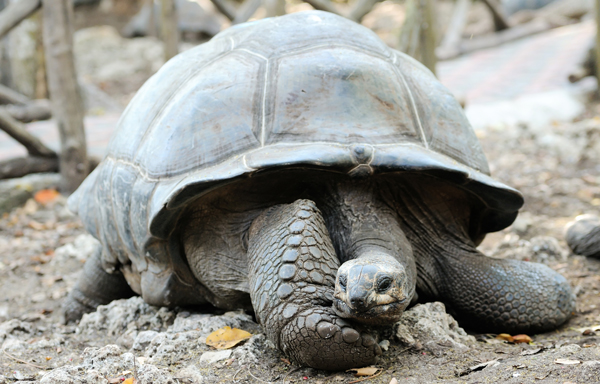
x=358, y=302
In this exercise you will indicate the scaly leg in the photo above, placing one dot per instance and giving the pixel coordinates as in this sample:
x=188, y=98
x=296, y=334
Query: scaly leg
x=292, y=271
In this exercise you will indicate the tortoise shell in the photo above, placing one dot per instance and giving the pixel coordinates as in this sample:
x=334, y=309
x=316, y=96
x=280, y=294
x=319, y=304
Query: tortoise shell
x=308, y=90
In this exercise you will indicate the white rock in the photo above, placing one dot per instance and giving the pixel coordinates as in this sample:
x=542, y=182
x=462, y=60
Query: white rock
x=432, y=327
x=193, y=373
x=569, y=348
x=384, y=344
x=214, y=356
x=143, y=339
x=80, y=249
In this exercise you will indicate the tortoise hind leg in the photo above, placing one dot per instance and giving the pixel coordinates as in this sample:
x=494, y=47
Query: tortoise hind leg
x=502, y=295
x=292, y=270
x=95, y=287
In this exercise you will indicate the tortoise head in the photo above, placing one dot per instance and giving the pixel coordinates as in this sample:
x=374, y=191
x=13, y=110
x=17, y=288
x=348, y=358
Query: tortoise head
x=373, y=289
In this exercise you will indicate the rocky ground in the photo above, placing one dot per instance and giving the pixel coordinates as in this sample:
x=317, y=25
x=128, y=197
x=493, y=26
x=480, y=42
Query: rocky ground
x=43, y=247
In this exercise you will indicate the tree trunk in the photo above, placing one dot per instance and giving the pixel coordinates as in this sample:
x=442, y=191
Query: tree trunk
x=246, y=11
x=225, y=8
x=500, y=21
x=324, y=5
x=361, y=8
x=453, y=34
x=65, y=93
x=428, y=36
x=275, y=7
x=417, y=37
x=168, y=28
x=597, y=63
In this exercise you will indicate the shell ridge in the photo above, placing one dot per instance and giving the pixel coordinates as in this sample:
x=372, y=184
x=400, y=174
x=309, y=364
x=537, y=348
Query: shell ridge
x=412, y=104
x=334, y=43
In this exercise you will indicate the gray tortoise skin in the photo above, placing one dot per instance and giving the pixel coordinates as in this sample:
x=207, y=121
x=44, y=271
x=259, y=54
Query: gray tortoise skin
x=300, y=168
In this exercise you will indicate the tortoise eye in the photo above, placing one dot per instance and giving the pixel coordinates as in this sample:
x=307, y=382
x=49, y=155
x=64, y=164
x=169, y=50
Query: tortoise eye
x=384, y=284
x=342, y=281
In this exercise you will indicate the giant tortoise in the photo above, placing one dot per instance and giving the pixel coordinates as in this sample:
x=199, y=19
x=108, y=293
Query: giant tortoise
x=298, y=167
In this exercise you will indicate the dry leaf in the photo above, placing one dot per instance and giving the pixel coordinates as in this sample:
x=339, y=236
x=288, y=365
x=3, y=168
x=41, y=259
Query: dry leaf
x=366, y=371
x=46, y=196
x=566, y=361
x=505, y=336
x=521, y=339
x=227, y=337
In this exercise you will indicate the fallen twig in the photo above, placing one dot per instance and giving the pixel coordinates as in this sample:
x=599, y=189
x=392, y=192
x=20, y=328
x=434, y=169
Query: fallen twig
x=261, y=380
x=24, y=362
x=289, y=373
x=135, y=376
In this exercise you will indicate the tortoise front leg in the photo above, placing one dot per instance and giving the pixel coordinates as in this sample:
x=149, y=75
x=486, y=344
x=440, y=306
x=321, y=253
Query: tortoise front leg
x=292, y=271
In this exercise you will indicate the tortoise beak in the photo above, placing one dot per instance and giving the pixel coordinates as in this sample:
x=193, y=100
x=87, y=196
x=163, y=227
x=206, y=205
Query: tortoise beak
x=360, y=300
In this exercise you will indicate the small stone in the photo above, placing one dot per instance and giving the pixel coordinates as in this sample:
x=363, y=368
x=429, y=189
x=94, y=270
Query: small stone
x=284, y=291
x=214, y=356
x=384, y=344
x=287, y=271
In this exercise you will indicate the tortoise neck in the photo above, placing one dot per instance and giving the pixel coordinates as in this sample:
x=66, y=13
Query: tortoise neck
x=361, y=223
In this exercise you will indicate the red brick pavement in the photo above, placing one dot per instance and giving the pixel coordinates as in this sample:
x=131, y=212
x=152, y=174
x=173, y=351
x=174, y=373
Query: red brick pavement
x=535, y=64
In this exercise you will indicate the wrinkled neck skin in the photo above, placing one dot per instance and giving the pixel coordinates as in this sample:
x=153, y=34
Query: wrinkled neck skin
x=373, y=249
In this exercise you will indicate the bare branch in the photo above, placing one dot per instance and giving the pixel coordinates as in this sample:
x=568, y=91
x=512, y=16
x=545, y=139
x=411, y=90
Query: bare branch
x=361, y=8
x=10, y=96
x=500, y=21
x=22, y=166
x=324, y=5
x=246, y=11
x=225, y=8
x=16, y=12
x=17, y=131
